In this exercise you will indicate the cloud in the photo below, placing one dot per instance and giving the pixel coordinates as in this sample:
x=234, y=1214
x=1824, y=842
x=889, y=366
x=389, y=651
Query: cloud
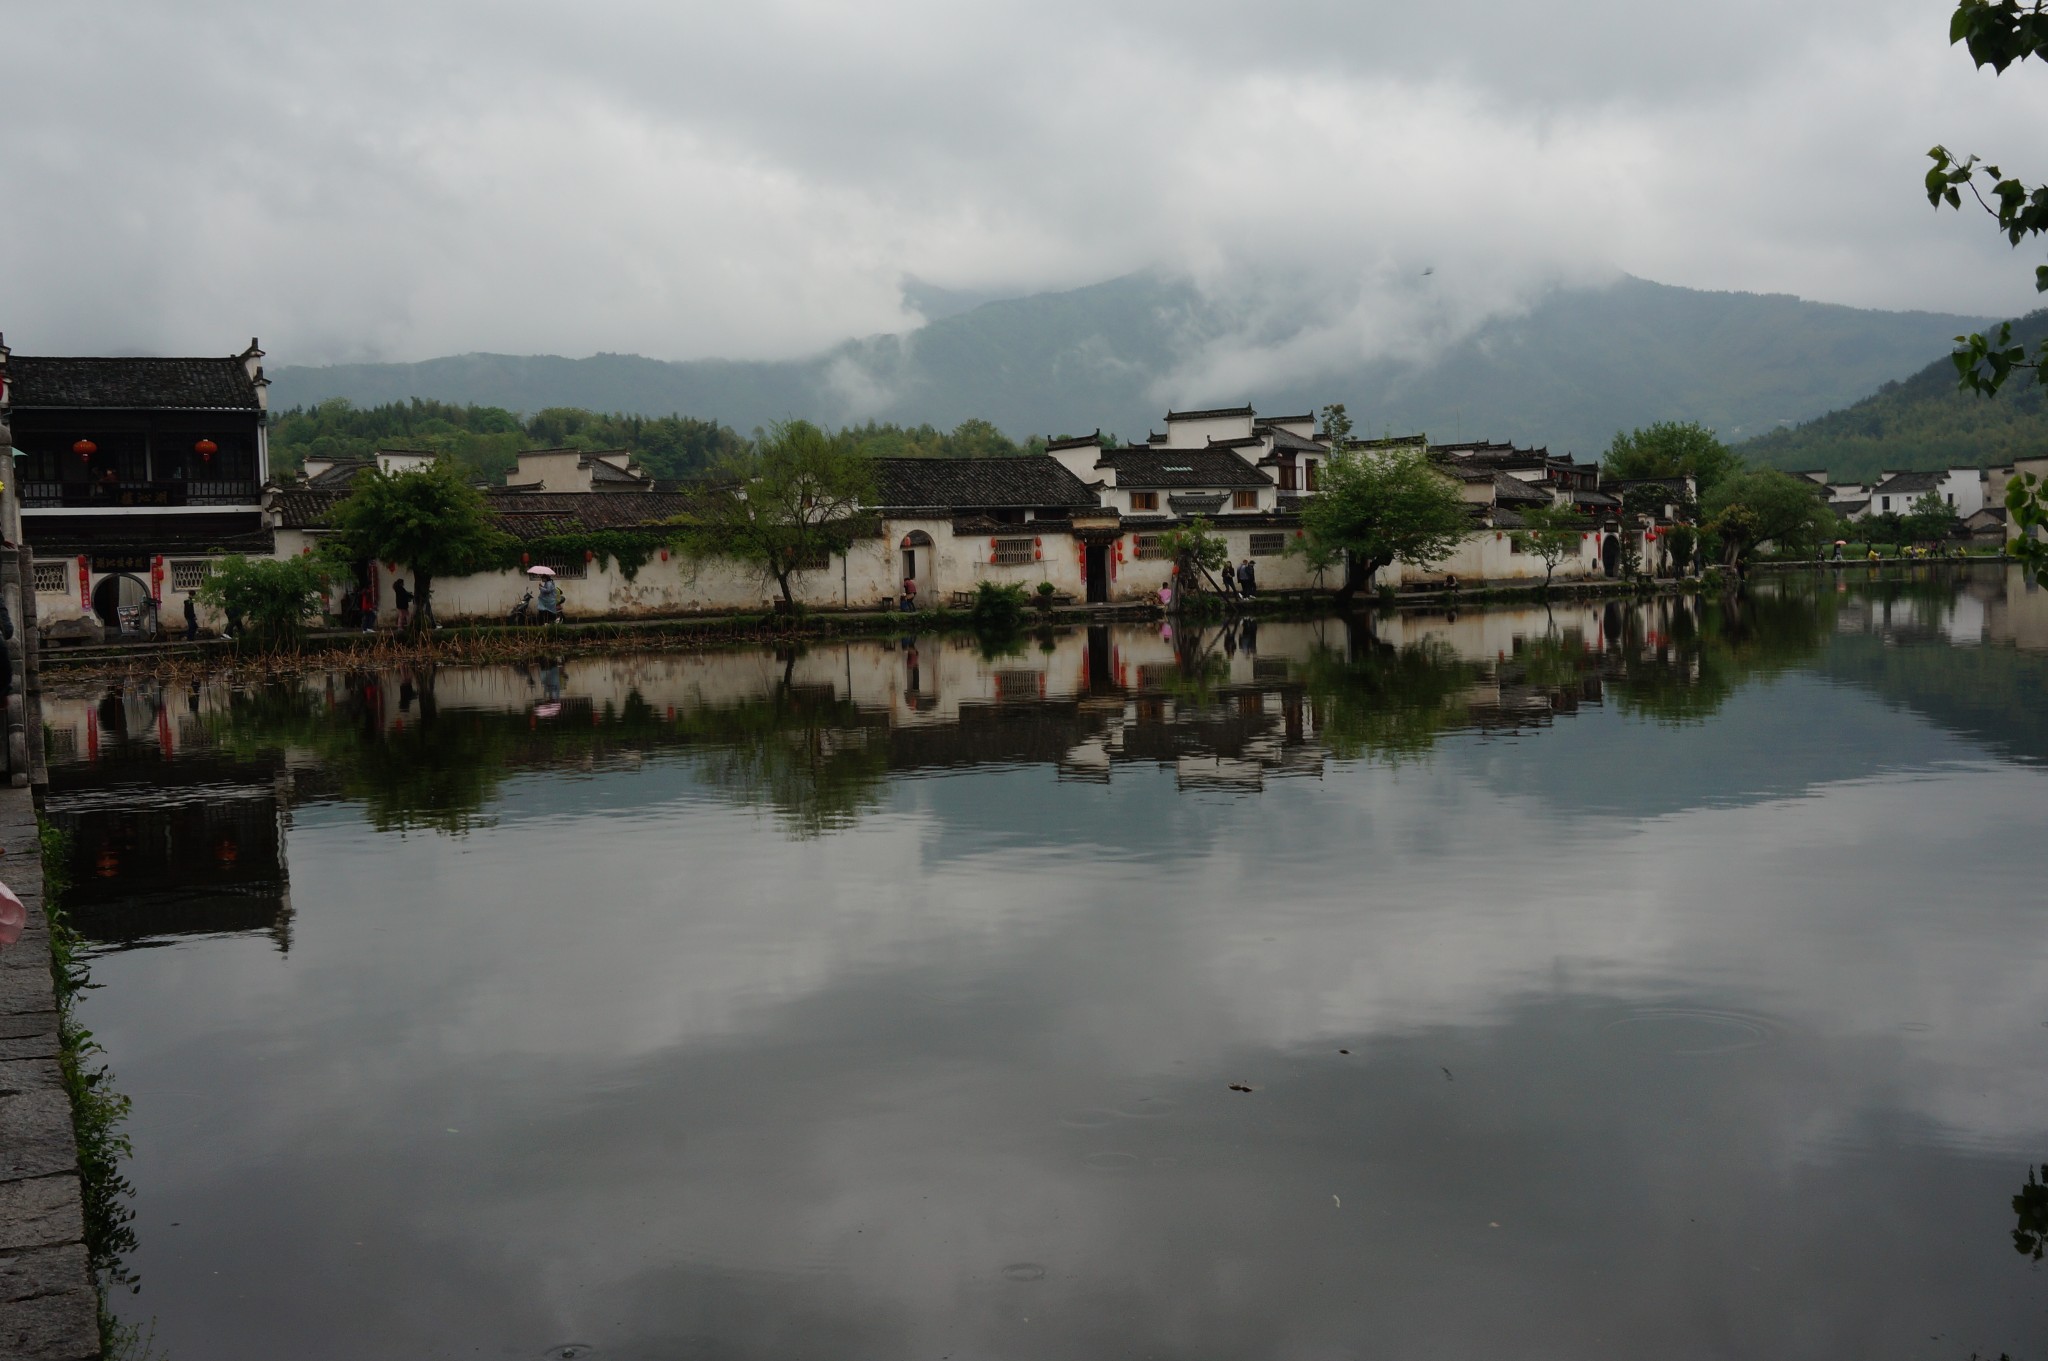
x=391, y=181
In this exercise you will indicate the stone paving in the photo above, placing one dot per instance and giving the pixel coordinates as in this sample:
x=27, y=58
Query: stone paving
x=48, y=1310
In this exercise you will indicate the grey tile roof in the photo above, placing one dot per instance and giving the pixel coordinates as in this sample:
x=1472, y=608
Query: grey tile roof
x=1287, y=439
x=1514, y=490
x=341, y=474
x=1074, y=441
x=1213, y=413
x=967, y=484
x=1906, y=483
x=1153, y=469
x=524, y=515
x=58, y=382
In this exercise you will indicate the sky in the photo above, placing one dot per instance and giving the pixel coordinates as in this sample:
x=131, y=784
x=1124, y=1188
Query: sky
x=684, y=180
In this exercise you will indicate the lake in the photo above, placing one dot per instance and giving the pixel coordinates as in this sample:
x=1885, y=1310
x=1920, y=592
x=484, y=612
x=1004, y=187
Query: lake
x=1661, y=978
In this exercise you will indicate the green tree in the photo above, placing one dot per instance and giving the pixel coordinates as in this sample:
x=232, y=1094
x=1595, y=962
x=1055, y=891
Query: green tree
x=272, y=598
x=1554, y=533
x=1197, y=550
x=427, y=519
x=1767, y=506
x=1670, y=449
x=1931, y=519
x=1379, y=505
x=795, y=498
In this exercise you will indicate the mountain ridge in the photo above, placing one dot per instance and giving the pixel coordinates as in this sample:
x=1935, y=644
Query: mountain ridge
x=1567, y=372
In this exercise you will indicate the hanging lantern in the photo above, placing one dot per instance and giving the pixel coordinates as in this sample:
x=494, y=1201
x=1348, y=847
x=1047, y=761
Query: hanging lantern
x=664, y=555
x=525, y=559
x=590, y=555
x=85, y=448
x=206, y=449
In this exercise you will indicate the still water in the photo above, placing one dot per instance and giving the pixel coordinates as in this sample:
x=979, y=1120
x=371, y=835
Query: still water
x=1629, y=980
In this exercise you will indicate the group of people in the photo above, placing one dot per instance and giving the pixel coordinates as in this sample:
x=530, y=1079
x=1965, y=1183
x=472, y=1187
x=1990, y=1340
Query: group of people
x=1241, y=580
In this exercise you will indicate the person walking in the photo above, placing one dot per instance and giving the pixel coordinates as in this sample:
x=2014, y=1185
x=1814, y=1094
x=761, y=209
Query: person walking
x=191, y=621
x=1229, y=580
x=369, y=603
x=402, y=598
x=1247, y=579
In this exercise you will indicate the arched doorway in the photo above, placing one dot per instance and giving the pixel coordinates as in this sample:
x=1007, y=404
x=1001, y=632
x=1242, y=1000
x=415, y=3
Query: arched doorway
x=920, y=564
x=121, y=603
x=1610, y=554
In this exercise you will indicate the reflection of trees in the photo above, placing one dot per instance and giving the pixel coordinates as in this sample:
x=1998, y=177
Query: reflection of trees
x=2030, y=1239
x=1677, y=667
x=1375, y=699
x=802, y=752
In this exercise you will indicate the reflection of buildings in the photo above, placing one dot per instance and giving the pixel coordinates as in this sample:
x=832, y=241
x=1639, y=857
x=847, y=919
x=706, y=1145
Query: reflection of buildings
x=1994, y=604
x=167, y=836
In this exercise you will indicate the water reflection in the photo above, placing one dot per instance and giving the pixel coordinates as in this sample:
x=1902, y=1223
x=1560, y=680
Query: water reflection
x=1524, y=983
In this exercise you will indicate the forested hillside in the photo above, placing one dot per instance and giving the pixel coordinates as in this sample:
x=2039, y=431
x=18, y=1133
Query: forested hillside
x=1568, y=372
x=487, y=439
x=1919, y=423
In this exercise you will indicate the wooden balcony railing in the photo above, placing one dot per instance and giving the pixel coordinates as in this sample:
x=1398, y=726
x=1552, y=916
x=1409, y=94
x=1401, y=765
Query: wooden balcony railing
x=93, y=496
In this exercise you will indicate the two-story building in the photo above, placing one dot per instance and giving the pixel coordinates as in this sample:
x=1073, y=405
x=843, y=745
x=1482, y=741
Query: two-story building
x=134, y=473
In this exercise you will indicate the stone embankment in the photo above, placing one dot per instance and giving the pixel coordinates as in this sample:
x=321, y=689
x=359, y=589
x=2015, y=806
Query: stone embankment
x=49, y=1310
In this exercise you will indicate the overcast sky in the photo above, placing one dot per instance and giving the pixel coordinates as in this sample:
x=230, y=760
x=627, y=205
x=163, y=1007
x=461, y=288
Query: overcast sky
x=398, y=180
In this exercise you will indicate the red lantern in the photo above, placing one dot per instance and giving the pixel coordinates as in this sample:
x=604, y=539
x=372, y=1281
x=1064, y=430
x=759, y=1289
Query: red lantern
x=206, y=449
x=590, y=555
x=85, y=448
x=1038, y=543
x=525, y=559
x=664, y=555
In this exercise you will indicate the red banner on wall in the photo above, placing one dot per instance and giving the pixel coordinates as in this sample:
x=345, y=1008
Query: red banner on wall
x=84, y=582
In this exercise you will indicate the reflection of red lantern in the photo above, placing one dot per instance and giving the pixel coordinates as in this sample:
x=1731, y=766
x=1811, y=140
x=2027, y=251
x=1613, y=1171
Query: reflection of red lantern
x=85, y=448
x=206, y=449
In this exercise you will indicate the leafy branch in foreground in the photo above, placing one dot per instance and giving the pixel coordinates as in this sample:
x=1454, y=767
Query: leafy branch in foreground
x=1999, y=33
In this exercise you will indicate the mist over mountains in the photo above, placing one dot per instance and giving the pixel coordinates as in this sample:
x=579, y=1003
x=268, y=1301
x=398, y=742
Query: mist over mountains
x=1567, y=372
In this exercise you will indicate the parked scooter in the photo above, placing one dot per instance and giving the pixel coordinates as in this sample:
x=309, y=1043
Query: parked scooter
x=526, y=612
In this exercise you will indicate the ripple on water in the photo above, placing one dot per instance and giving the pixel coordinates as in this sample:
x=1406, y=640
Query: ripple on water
x=1093, y=1119
x=1696, y=1030
x=1112, y=1162
x=1024, y=1271
x=569, y=1351
x=1147, y=1108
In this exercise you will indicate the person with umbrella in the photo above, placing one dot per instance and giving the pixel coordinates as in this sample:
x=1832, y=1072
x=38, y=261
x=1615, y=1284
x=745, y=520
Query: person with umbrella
x=550, y=594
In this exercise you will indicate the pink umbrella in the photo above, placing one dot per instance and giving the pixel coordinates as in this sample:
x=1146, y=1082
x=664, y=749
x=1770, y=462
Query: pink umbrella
x=540, y=571
x=13, y=916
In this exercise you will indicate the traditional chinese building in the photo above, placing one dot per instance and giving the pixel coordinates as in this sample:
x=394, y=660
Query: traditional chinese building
x=133, y=473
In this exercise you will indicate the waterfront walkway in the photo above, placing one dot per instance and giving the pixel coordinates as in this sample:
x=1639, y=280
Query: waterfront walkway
x=48, y=1310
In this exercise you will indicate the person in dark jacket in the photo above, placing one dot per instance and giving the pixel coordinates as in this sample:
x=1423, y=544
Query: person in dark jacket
x=402, y=598
x=191, y=621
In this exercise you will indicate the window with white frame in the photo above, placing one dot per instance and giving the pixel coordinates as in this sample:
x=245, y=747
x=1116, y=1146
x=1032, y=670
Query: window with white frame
x=1147, y=546
x=187, y=576
x=51, y=578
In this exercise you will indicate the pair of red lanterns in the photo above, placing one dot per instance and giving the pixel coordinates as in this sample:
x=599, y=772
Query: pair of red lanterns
x=205, y=448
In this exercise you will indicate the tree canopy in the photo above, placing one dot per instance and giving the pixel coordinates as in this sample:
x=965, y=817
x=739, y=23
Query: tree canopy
x=486, y=441
x=428, y=519
x=1554, y=533
x=1670, y=449
x=1767, y=506
x=1379, y=505
x=796, y=497
x=271, y=599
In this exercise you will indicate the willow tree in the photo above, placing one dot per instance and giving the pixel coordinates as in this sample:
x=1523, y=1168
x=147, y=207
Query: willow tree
x=796, y=497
